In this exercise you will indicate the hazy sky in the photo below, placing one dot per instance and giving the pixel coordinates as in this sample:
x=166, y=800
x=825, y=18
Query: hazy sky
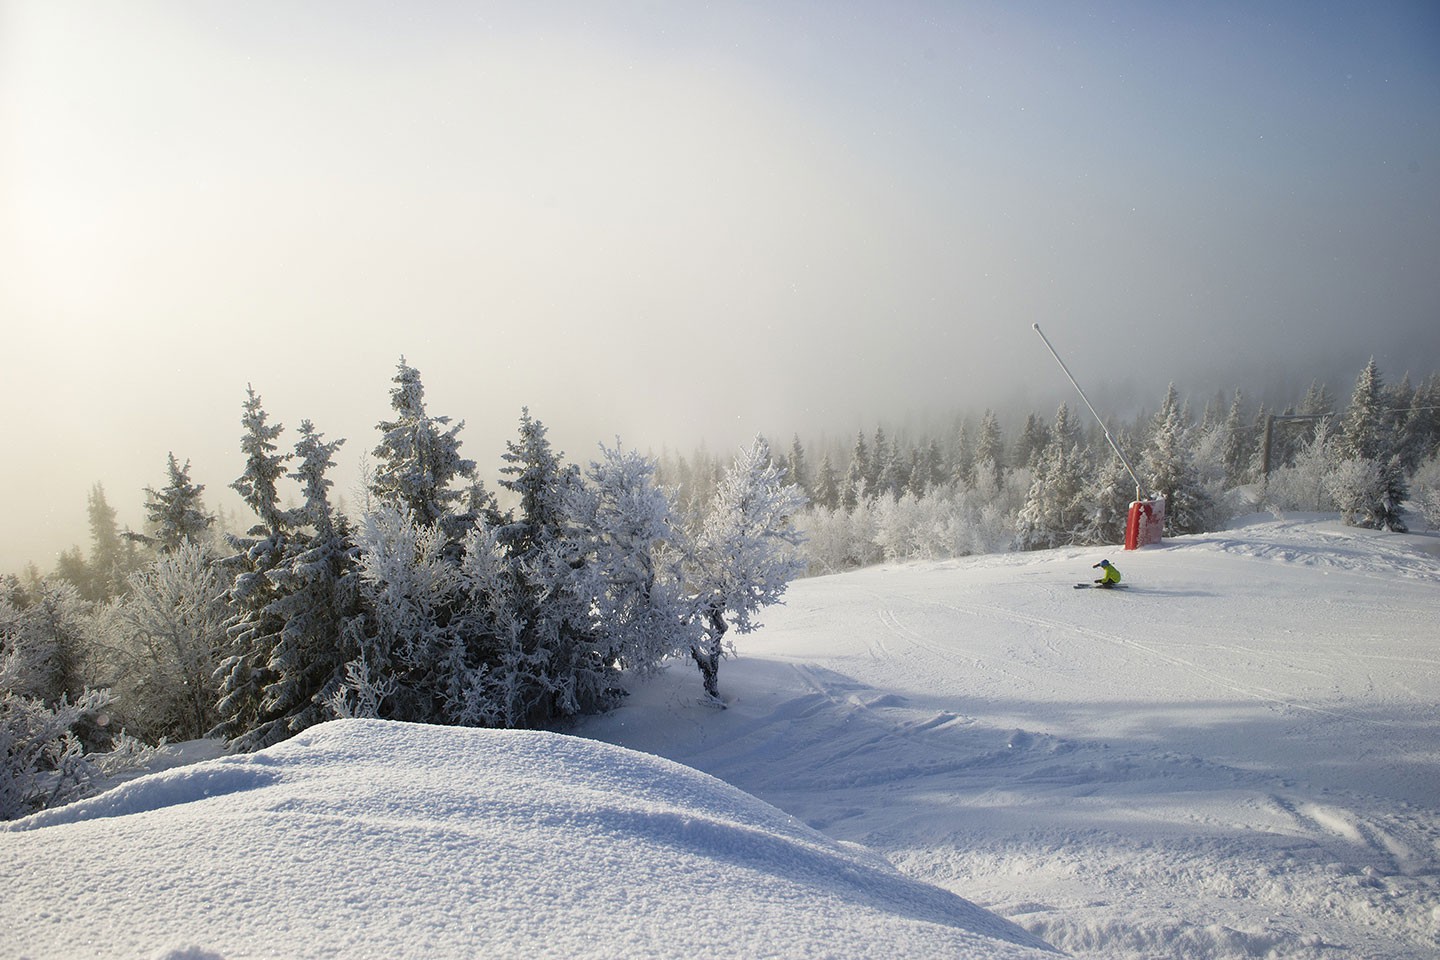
x=674, y=222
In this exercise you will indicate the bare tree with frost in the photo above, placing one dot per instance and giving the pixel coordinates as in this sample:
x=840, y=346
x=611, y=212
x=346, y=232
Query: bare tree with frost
x=744, y=556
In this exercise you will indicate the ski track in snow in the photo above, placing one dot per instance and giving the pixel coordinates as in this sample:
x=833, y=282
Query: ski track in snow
x=1237, y=758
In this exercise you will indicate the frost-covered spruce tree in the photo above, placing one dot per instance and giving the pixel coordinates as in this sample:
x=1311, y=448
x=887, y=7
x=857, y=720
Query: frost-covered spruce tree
x=932, y=461
x=1056, y=506
x=827, y=486
x=175, y=513
x=856, y=484
x=1412, y=440
x=47, y=624
x=110, y=563
x=1317, y=400
x=1170, y=471
x=1033, y=439
x=744, y=557
x=317, y=598
x=418, y=458
x=990, y=448
x=881, y=452
x=962, y=466
x=1370, y=482
x=1365, y=432
x=1388, y=512
x=254, y=628
x=1111, y=492
x=798, y=468
x=1237, y=445
x=546, y=547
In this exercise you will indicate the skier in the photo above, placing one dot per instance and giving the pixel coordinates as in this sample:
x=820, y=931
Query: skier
x=1110, y=577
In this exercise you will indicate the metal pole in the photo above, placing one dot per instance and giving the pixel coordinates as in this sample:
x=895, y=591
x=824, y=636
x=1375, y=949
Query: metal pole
x=1265, y=460
x=1109, y=439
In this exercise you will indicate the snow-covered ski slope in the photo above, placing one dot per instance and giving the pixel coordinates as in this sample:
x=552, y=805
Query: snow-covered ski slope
x=1237, y=756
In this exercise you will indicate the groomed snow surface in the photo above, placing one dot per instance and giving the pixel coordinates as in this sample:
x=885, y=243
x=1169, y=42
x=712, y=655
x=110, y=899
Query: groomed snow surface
x=1236, y=756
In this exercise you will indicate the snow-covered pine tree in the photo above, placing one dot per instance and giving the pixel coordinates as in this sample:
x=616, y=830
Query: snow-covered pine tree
x=175, y=513
x=1237, y=445
x=546, y=547
x=890, y=479
x=881, y=453
x=71, y=566
x=990, y=448
x=263, y=466
x=932, y=463
x=253, y=628
x=1388, y=512
x=1034, y=437
x=799, y=466
x=915, y=479
x=743, y=557
x=1112, y=491
x=856, y=484
x=109, y=562
x=1427, y=404
x=1408, y=414
x=317, y=595
x=962, y=466
x=827, y=487
x=1365, y=430
x=418, y=458
x=1170, y=471
x=46, y=625
x=1369, y=484
x=1317, y=400
x=1057, y=505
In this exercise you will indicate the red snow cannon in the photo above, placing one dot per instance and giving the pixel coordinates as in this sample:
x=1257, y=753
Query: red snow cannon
x=1144, y=523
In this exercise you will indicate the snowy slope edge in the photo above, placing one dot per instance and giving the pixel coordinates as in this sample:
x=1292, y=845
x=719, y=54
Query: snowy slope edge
x=372, y=838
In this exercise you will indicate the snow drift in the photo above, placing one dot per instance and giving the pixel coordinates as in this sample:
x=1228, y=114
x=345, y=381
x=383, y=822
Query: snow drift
x=374, y=839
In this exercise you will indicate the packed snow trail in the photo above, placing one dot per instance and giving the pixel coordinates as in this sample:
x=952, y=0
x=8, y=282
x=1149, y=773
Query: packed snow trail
x=1239, y=756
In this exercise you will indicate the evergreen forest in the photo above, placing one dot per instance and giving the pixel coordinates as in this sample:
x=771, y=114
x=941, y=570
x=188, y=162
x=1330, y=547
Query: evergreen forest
x=533, y=599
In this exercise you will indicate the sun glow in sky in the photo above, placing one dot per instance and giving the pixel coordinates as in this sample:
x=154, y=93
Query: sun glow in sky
x=677, y=223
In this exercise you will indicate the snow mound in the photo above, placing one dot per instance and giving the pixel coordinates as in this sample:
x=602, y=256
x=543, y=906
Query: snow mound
x=375, y=839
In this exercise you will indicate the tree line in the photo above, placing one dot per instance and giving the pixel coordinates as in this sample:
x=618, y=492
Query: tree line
x=1055, y=481
x=432, y=605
